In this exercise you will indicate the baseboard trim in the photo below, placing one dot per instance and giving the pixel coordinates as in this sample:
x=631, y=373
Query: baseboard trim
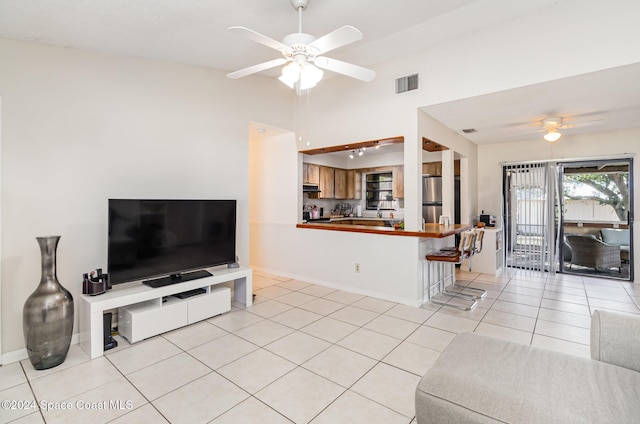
x=21, y=354
x=384, y=296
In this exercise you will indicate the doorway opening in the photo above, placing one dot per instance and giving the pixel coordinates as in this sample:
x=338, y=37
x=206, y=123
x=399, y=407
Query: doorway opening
x=596, y=218
x=571, y=217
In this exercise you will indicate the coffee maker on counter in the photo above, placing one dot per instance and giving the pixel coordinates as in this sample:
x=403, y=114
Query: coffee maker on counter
x=489, y=220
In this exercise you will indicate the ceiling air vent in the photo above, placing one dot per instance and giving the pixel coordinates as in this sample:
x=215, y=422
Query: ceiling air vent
x=469, y=130
x=408, y=83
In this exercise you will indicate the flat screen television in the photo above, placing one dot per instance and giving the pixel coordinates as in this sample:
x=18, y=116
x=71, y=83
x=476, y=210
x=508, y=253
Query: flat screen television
x=159, y=241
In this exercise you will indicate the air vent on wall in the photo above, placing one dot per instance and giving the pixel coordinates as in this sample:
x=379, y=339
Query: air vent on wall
x=407, y=83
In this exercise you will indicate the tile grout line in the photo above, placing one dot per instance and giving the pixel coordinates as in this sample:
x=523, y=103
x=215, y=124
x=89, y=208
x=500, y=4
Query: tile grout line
x=377, y=363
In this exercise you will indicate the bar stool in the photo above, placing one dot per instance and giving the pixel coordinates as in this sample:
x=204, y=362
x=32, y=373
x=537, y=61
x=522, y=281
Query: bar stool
x=475, y=248
x=439, y=260
x=477, y=245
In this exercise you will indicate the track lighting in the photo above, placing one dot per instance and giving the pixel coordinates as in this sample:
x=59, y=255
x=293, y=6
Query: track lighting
x=358, y=152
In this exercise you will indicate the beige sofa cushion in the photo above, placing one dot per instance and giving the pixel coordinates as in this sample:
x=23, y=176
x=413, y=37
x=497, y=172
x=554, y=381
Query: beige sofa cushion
x=481, y=379
x=615, y=339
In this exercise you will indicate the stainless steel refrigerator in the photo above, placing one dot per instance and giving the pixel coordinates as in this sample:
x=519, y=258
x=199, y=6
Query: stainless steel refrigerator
x=432, y=199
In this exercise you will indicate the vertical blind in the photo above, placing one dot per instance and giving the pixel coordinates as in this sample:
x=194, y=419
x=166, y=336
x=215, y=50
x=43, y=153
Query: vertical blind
x=531, y=231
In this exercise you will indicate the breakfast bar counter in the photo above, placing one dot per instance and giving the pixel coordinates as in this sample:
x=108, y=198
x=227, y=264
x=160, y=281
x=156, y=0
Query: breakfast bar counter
x=430, y=230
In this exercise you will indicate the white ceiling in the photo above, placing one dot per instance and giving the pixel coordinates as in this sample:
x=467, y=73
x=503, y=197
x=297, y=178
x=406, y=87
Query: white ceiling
x=596, y=102
x=195, y=32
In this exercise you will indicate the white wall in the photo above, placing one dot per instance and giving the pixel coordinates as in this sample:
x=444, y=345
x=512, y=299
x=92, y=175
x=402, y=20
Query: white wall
x=273, y=188
x=1, y=337
x=79, y=128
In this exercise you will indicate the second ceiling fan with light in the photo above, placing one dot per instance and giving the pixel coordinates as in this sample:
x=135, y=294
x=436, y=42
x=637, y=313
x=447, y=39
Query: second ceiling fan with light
x=552, y=125
x=302, y=54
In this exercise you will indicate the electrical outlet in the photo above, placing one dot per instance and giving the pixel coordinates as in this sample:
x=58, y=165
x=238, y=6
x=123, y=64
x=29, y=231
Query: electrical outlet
x=357, y=267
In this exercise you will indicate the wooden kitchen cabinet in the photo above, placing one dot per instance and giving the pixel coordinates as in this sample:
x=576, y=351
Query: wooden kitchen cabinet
x=310, y=173
x=326, y=183
x=337, y=183
x=432, y=168
x=435, y=168
x=398, y=182
x=354, y=184
x=340, y=183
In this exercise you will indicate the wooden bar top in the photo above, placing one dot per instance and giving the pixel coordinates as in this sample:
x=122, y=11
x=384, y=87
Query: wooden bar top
x=430, y=230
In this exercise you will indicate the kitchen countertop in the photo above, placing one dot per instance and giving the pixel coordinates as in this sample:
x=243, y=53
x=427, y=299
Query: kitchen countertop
x=430, y=230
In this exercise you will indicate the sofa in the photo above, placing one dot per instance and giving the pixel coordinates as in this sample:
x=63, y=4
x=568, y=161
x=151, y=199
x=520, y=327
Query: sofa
x=481, y=379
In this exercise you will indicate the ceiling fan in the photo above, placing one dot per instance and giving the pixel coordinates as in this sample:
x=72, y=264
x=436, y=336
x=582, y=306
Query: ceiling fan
x=302, y=54
x=552, y=125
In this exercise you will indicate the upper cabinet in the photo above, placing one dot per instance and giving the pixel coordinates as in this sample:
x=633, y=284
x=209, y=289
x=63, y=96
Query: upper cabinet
x=340, y=183
x=398, y=182
x=435, y=168
x=354, y=184
x=310, y=173
x=333, y=183
x=432, y=168
x=326, y=184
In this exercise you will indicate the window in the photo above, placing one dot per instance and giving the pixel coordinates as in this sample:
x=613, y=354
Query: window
x=379, y=191
x=597, y=193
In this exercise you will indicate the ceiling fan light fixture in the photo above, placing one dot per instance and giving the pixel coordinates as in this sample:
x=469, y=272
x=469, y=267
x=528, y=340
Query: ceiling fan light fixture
x=552, y=136
x=301, y=49
x=310, y=76
x=290, y=74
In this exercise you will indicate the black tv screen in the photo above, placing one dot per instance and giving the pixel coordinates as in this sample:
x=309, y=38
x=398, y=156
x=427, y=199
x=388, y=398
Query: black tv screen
x=156, y=238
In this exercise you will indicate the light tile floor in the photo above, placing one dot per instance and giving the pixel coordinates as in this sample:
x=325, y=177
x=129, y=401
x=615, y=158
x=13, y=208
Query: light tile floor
x=304, y=353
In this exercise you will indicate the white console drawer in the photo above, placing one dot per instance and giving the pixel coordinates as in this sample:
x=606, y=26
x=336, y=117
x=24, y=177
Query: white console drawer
x=205, y=306
x=147, y=319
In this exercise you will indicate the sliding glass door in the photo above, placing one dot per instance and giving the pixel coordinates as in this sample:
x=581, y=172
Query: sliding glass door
x=529, y=216
x=597, y=218
x=573, y=216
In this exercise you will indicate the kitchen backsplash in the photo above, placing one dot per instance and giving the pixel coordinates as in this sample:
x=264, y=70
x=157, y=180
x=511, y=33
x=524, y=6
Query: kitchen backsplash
x=330, y=205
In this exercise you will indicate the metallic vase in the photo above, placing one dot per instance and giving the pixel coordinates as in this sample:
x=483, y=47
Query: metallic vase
x=47, y=316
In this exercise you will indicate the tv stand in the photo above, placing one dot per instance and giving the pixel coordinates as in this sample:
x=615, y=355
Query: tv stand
x=177, y=278
x=126, y=296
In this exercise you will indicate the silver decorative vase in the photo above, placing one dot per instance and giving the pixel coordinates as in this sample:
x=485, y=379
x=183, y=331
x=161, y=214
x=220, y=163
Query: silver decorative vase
x=47, y=316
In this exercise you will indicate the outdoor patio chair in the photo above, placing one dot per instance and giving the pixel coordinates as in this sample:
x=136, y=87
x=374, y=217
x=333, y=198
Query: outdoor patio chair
x=592, y=253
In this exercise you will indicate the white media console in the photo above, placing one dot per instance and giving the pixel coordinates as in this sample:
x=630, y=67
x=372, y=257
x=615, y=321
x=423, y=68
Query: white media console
x=145, y=314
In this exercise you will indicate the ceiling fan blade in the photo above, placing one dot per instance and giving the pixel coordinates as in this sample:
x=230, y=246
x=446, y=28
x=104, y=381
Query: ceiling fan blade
x=259, y=38
x=345, y=68
x=583, y=124
x=256, y=68
x=338, y=38
x=526, y=132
